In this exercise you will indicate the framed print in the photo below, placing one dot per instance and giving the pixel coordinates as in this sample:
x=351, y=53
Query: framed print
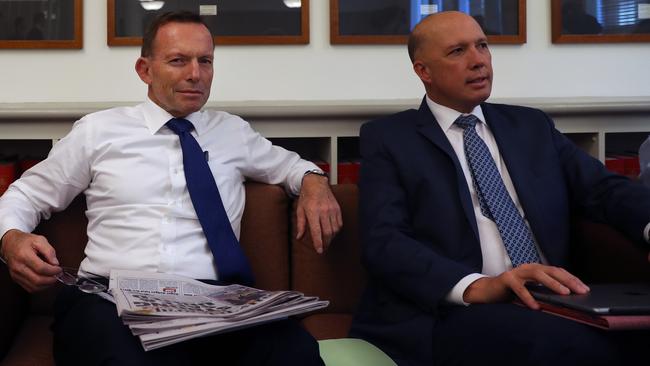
x=230, y=21
x=390, y=21
x=600, y=21
x=41, y=24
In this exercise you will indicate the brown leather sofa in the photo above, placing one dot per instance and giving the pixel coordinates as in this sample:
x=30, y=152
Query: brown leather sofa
x=279, y=261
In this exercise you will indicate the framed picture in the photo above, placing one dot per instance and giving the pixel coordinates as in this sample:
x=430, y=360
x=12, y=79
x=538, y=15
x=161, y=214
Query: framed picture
x=230, y=21
x=600, y=21
x=41, y=24
x=390, y=21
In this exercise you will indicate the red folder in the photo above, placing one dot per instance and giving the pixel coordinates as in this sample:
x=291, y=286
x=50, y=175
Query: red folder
x=26, y=163
x=7, y=175
x=615, y=165
x=323, y=165
x=607, y=322
x=348, y=172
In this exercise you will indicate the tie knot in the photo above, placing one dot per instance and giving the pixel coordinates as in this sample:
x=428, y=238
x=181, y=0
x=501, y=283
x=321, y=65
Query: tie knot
x=180, y=125
x=465, y=121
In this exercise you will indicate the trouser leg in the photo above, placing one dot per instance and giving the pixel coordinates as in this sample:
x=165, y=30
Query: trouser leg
x=507, y=334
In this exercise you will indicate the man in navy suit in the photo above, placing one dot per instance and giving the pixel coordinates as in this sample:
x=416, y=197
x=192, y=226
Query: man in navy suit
x=441, y=280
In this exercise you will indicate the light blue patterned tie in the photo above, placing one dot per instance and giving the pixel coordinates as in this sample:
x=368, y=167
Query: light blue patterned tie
x=493, y=197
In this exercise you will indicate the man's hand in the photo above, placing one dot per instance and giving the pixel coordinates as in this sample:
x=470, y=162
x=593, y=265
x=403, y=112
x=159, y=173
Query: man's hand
x=31, y=260
x=501, y=288
x=318, y=208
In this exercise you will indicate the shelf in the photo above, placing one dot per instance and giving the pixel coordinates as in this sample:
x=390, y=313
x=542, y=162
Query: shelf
x=586, y=141
x=328, y=130
x=310, y=148
x=24, y=149
x=624, y=142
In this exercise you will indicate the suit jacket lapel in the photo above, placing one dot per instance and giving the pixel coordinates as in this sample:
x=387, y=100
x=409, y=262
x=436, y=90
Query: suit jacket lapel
x=429, y=127
x=514, y=156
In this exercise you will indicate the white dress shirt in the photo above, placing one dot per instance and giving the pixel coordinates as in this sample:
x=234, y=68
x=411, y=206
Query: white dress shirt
x=495, y=257
x=130, y=166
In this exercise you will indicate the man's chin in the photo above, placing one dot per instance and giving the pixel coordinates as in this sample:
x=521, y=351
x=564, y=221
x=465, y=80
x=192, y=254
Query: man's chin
x=482, y=96
x=190, y=108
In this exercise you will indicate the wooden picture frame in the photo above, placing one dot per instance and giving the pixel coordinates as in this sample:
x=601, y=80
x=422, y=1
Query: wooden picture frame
x=300, y=16
x=54, y=24
x=339, y=37
x=587, y=28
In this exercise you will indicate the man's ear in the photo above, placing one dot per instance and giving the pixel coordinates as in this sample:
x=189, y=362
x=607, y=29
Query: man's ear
x=142, y=67
x=422, y=71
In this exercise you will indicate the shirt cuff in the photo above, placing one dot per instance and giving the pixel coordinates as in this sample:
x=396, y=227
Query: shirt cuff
x=646, y=233
x=455, y=296
x=10, y=225
x=298, y=172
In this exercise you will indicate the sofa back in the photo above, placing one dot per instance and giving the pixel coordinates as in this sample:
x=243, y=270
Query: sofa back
x=264, y=237
x=279, y=262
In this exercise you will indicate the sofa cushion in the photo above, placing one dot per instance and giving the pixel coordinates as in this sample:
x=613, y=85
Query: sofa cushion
x=352, y=352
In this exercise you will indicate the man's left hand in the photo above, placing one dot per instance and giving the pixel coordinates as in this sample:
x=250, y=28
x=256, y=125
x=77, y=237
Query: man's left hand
x=318, y=208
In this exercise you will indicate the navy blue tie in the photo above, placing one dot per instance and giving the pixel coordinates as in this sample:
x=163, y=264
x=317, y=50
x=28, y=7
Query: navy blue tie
x=493, y=197
x=232, y=264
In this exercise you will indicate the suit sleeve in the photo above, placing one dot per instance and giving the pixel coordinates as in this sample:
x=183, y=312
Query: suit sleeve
x=392, y=253
x=601, y=195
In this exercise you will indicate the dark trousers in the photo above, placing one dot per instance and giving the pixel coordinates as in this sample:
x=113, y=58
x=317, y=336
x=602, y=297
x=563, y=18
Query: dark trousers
x=87, y=331
x=506, y=334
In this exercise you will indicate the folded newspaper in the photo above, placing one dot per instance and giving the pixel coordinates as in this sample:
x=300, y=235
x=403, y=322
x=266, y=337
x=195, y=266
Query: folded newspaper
x=163, y=309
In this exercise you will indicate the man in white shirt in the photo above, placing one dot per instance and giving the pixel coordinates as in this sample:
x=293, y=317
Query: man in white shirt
x=129, y=165
x=443, y=262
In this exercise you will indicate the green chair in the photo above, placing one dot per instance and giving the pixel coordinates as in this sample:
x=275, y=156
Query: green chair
x=352, y=352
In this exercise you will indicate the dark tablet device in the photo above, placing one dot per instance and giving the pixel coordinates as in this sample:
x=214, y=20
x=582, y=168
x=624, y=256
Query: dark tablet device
x=603, y=299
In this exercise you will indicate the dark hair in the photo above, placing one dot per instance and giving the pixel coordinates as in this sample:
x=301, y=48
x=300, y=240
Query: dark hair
x=162, y=19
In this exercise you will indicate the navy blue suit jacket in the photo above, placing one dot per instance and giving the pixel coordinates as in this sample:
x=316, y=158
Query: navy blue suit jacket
x=419, y=231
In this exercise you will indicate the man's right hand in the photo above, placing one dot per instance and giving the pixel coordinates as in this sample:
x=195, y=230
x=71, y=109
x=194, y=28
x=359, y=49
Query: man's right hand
x=500, y=288
x=31, y=260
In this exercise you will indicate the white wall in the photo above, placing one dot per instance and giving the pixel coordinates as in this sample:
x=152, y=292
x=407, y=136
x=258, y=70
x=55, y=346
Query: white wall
x=319, y=71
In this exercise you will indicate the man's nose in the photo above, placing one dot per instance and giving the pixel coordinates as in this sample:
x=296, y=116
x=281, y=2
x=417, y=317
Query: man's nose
x=194, y=71
x=478, y=58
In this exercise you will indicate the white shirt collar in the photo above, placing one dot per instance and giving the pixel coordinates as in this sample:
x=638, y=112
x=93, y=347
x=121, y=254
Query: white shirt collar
x=446, y=116
x=155, y=117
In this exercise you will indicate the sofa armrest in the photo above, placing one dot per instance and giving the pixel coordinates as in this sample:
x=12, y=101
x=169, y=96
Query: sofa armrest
x=602, y=254
x=336, y=275
x=13, y=309
x=265, y=234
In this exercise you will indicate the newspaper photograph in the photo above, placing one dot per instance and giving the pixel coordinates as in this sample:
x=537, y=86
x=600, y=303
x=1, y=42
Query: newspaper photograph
x=164, y=309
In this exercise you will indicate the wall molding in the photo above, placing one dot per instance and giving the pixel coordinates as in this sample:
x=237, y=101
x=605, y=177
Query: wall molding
x=330, y=108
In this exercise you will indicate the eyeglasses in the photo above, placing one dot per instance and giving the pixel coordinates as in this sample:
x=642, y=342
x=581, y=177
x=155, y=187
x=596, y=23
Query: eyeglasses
x=69, y=277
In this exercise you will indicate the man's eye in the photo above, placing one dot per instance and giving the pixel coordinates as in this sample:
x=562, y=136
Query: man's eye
x=456, y=51
x=206, y=61
x=176, y=61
